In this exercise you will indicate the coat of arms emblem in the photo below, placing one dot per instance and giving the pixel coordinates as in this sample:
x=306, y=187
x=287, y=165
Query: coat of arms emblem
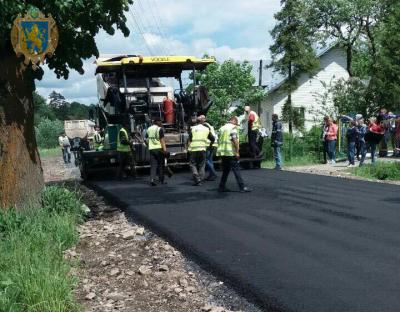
x=35, y=36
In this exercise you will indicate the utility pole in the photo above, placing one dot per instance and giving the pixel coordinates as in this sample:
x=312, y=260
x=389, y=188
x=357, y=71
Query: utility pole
x=260, y=76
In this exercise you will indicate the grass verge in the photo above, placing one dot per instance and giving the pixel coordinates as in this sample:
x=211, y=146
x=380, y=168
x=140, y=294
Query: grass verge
x=296, y=161
x=50, y=152
x=381, y=171
x=34, y=276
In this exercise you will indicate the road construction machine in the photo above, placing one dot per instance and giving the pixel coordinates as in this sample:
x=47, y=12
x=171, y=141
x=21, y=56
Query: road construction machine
x=132, y=91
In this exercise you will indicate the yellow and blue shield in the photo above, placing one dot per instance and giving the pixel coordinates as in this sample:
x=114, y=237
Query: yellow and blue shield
x=34, y=36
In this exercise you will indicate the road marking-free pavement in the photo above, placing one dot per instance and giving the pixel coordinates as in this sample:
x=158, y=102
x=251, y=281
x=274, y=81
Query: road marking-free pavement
x=298, y=242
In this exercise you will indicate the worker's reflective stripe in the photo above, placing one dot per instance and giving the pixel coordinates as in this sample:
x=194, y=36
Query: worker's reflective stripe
x=153, y=134
x=122, y=147
x=256, y=122
x=97, y=140
x=199, y=140
x=225, y=144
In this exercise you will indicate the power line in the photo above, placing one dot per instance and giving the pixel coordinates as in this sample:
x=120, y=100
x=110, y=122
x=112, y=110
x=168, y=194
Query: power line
x=141, y=33
x=156, y=16
x=150, y=26
x=160, y=23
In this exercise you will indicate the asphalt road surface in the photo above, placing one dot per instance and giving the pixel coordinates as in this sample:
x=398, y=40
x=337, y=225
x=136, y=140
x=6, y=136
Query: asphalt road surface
x=298, y=242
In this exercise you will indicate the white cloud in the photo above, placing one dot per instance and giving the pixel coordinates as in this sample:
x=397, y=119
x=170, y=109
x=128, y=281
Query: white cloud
x=226, y=29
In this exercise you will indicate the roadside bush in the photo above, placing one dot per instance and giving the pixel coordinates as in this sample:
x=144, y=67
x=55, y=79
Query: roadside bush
x=47, y=132
x=33, y=273
x=380, y=171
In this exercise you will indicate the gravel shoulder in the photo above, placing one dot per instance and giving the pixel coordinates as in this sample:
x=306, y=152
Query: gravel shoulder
x=122, y=266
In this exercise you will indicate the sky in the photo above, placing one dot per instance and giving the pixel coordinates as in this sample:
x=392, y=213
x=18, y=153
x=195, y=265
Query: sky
x=237, y=29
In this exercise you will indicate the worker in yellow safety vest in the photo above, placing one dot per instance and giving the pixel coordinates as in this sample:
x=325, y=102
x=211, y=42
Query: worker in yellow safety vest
x=98, y=139
x=228, y=150
x=254, y=126
x=210, y=153
x=200, y=138
x=124, y=152
x=155, y=139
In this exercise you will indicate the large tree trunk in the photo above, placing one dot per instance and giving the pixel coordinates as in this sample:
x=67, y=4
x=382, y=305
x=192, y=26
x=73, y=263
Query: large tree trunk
x=21, y=175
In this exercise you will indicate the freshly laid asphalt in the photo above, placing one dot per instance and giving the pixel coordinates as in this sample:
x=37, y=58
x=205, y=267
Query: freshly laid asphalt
x=298, y=242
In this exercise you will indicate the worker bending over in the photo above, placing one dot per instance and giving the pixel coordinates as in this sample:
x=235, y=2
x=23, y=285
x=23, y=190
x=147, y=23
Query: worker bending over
x=200, y=137
x=228, y=150
x=158, y=150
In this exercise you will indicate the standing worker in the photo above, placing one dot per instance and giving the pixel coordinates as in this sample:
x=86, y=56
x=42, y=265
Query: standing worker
x=124, y=150
x=199, y=138
x=158, y=150
x=65, y=145
x=228, y=150
x=277, y=140
x=210, y=153
x=168, y=109
x=254, y=125
x=98, y=139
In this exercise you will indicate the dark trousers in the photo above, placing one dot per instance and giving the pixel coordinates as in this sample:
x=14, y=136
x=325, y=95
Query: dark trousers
x=157, y=165
x=229, y=163
x=123, y=160
x=254, y=150
x=326, y=148
x=351, y=150
x=66, y=151
x=197, y=165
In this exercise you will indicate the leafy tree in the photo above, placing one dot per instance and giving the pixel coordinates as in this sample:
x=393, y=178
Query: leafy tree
x=229, y=84
x=385, y=80
x=47, y=132
x=344, y=21
x=78, y=21
x=41, y=109
x=292, y=51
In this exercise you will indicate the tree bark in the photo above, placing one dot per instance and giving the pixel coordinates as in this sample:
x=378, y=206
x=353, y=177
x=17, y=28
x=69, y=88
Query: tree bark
x=349, y=52
x=21, y=175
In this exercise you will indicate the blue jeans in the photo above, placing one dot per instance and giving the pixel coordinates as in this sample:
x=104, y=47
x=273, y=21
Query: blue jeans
x=277, y=157
x=351, y=151
x=363, y=152
x=332, y=150
x=66, y=154
x=210, y=162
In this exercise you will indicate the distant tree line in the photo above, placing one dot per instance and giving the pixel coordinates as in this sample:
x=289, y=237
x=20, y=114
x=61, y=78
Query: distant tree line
x=49, y=117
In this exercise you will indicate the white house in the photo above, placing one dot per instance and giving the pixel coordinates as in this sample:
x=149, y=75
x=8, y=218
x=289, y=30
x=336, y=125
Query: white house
x=305, y=97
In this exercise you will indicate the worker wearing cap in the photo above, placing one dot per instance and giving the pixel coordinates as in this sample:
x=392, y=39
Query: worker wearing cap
x=199, y=138
x=228, y=150
x=124, y=151
x=158, y=149
x=254, y=125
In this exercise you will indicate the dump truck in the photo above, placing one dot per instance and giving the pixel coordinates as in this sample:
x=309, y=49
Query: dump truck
x=131, y=91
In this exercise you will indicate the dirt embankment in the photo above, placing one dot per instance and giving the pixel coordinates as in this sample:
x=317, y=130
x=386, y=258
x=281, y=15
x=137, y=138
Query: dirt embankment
x=122, y=266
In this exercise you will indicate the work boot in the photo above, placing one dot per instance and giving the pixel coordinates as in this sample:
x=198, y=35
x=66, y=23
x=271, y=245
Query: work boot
x=245, y=189
x=153, y=183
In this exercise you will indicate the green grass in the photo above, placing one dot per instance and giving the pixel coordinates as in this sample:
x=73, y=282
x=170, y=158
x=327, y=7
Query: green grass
x=381, y=171
x=295, y=161
x=50, y=152
x=34, y=276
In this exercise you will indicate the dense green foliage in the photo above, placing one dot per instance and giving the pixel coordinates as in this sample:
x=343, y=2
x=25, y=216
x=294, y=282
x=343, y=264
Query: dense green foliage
x=49, y=118
x=292, y=52
x=79, y=21
x=33, y=273
x=229, y=84
x=367, y=30
x=381, y=171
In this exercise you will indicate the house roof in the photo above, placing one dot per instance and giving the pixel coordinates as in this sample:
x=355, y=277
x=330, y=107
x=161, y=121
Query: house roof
x=272, y=80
